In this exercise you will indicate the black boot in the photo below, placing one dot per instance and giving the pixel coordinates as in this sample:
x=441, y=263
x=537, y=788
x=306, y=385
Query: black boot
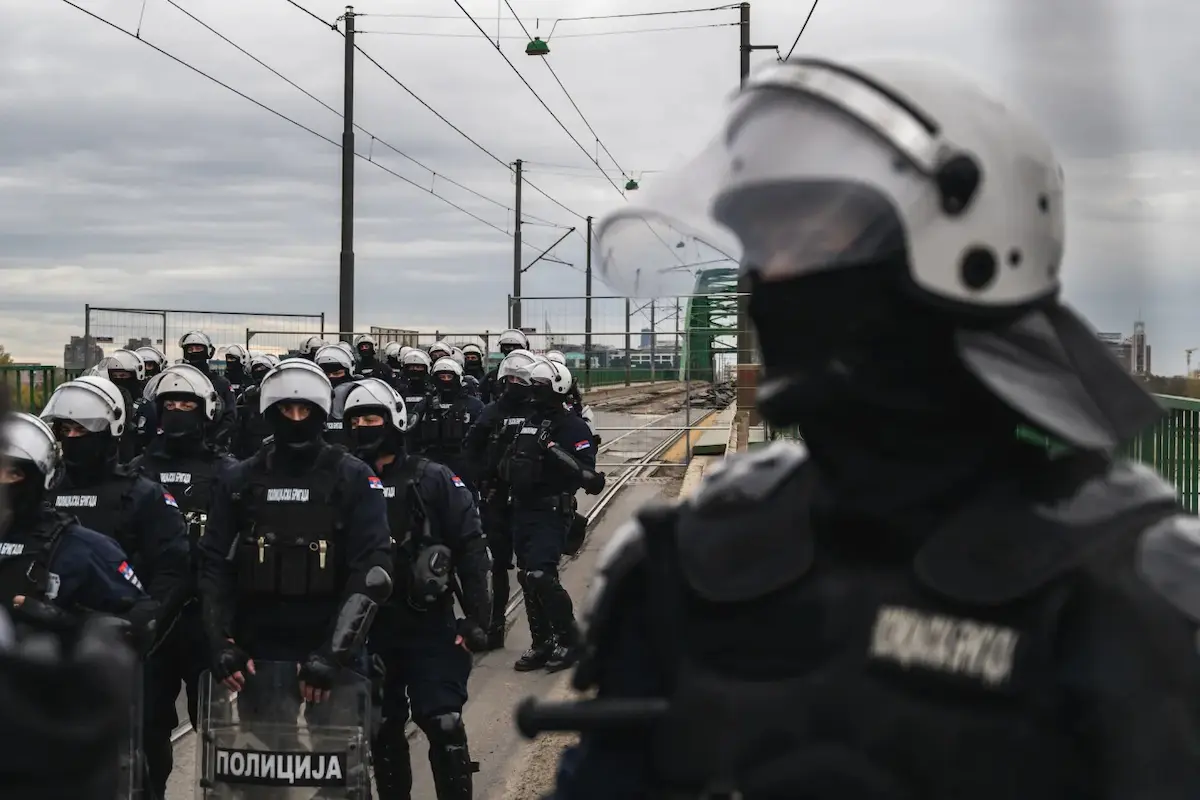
x=560, y=616
x=539, y=629
x=393, y=768
x=449, y=758
x=499, y=623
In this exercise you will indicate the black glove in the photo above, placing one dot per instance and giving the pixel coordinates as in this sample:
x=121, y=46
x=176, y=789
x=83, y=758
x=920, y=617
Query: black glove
x=593, y=482
x=228, y=660
x=45, y=616
x=319, y=670
x=473, y=635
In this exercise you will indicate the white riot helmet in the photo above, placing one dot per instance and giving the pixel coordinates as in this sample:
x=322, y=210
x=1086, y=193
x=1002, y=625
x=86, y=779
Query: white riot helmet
x=152, y=355
x=371, y=394
x=473, y=354
x=404, y=350
x=556, y=356
x=311, y=345
x=457, y=355
x=391, y=352
x=562, y=384
x=239, y=354
x=261, y=364
x=94, y=403
x=512, y=339
x=514, y=361
x=332, y=358
x=416, y=357
x=439, y=349
x=186, y=381
x=364, y=343
x=29, y=439
x=296, y=380
x=452, y=371
x=123, y=361
x=822, y=166
x=349, y=349
x=194, y=338
x=274, y=359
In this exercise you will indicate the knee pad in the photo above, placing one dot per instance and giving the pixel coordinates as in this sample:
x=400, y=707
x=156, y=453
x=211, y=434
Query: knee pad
x=444, y=730
x=540, y=580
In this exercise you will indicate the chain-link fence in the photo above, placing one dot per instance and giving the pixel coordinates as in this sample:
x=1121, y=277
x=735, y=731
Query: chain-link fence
x=114, y=328
x=283, y=343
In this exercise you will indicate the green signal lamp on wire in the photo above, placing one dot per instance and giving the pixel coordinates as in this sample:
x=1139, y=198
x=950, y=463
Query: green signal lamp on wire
x=537, y=47
x=630, y=185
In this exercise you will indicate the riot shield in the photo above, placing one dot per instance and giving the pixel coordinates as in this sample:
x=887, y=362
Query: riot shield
x=131, y=779
x=266, y=742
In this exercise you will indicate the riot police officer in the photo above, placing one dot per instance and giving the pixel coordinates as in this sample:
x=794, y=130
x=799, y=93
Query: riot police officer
x=309, y=347
x=87, y=418
x=237, y=368
x=369, y=364
x=154, y=360
x=444, y=417
x=473, y=362
x=440, y=349
x=415, y=377
x=296, y=536
x=391, y=356
x=338, y=366
x=510, y=340
x=438, y=552
x=251, y=428
x=915, y=603
x=485, y=445
x=184, y=461
x=197, y=349
x=127, y=371
x=549, y=459
x=52, y=569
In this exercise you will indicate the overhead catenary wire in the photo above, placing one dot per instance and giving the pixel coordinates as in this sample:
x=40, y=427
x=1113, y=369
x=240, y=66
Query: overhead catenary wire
x=434, y=35
x=286, y=118
x=795, y=42
x=374, y=137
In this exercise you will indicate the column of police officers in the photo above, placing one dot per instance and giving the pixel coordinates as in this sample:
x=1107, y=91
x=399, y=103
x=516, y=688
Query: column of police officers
x=323, y=510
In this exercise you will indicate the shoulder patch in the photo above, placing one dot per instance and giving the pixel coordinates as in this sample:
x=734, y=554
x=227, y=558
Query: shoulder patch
x=457, y=481
x=750, y=477
x=583, y=444
x=169, y=499
x=128, y=574
x=374, y=482
x=1169, y=560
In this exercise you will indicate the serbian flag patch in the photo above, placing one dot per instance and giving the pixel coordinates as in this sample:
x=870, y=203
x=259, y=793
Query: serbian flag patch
x=458, y=482
x=374, y=482
x=584, y=445
x=170, y=500
x=128, y=574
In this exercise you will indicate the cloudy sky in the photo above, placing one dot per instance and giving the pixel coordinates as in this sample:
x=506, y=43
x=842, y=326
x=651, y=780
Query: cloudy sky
x=127, y=180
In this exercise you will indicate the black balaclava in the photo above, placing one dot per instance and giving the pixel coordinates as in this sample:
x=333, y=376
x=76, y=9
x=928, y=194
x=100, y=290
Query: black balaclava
x=473, y=365
x=346, y=376
x=514, y=395
x=370, y=442
x=366, y=354
x=182, y=431
x=297, y=442
x=25, y=497
x=258, y=372
x=416, y=379
x=545, y=399
x=198, y=358
x=892, y=418
x=235, y=372
x=127, y=381
x=449, y=387
x=89, y=458
x=394, y=362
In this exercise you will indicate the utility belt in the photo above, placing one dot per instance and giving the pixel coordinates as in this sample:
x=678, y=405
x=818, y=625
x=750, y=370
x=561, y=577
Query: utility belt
x=554, y=502
x=274, y=565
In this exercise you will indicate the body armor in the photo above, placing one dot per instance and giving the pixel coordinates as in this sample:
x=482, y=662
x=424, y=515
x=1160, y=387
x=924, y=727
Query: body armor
x=522, y=466
x=106, y=508
x=290, y=532
x=25, y=566
x=422, y=563
x=190, y=481
x=442, y=428
x=844, y=664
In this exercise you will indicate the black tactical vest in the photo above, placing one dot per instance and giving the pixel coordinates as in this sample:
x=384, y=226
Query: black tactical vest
x=106, y=508
x=803, y=667
x=190, y=481
x=443, y=427
x=503, y=433
x=25, y=566
x=290, y=532
x=408, y=522
x=522, y=466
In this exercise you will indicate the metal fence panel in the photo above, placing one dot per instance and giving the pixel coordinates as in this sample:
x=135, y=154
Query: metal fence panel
x=114, y=328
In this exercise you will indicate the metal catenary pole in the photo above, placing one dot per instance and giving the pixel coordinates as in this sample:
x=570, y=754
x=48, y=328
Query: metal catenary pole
x=587, y=312
x=346, y=261
x=516, y=308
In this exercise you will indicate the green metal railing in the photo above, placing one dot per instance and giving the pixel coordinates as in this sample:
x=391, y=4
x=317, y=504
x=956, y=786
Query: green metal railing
x=30, y=385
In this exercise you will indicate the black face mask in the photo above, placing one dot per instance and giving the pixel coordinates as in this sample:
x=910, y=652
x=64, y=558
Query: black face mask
x=367, y=355
x=181, y=425
x=233, y=369
x=25, y=497
x=198, y=359
x=448, y=390
x=515, y=394
x=297, y=438
x=258, y=373
x=368, y=442
x=87, y=457
x=130, y=385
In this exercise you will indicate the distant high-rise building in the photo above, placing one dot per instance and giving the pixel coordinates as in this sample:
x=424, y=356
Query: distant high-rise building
x=76, y=356
x=1141, y=350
